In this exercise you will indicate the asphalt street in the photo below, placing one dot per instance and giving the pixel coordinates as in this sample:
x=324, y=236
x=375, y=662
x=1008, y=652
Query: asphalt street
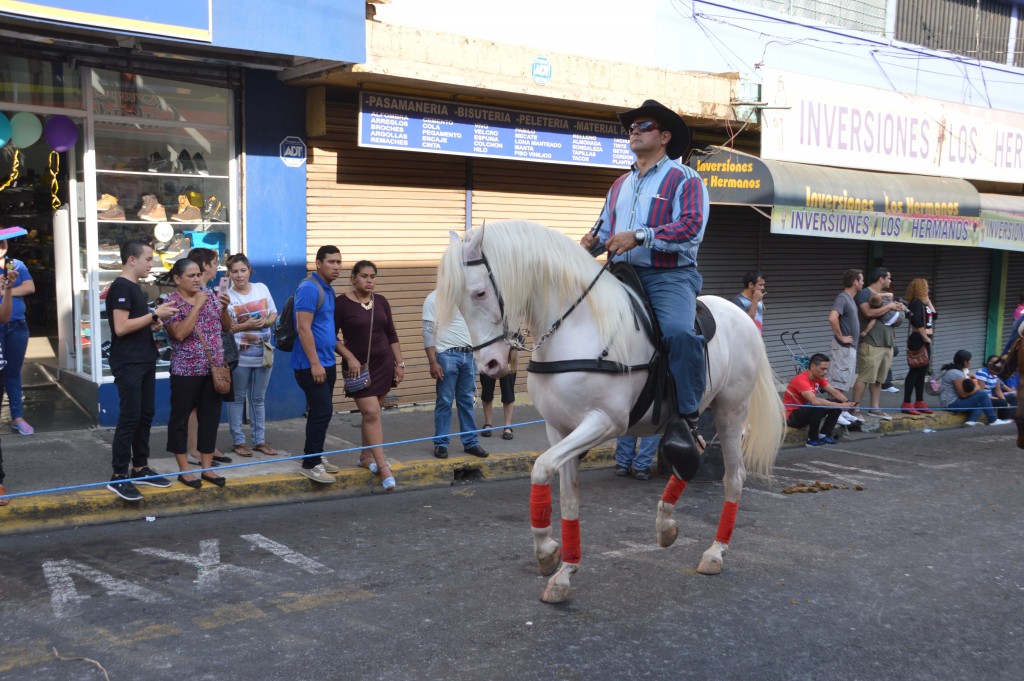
x=916, y=576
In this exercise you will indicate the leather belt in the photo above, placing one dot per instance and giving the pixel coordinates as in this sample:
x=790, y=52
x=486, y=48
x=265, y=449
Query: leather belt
x=461, y=348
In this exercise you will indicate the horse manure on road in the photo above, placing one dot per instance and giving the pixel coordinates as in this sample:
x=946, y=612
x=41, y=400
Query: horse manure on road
x=817, y=486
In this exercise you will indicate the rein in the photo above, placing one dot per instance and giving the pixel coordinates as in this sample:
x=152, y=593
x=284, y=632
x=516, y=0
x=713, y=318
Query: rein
x=516, y=340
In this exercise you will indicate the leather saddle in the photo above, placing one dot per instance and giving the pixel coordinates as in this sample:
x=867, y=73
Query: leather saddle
x=660, y=387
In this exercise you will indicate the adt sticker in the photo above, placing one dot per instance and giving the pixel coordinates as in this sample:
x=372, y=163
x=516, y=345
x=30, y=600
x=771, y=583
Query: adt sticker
x=541, y=70
x=293, y=152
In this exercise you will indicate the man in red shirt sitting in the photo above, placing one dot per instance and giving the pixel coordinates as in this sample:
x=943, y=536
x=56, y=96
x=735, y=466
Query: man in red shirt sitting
x=803, y=390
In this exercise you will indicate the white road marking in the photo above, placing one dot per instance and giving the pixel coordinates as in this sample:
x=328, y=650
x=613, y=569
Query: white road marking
x=865, y=471
x=207, y=563
x=64, y=596
x=288, y=555
x=633, y=548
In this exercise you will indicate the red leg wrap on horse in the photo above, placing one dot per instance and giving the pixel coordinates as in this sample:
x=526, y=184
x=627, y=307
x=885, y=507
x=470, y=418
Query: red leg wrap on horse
x=673, y=490
x=571, y=541
x=540, y=505
x=727, y=521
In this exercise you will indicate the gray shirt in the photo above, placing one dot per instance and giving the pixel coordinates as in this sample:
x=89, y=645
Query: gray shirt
x=880, y=335
x=849, y=321
x=947, y=391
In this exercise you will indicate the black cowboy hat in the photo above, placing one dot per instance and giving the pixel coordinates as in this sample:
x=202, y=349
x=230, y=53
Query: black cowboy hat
x=669, y=119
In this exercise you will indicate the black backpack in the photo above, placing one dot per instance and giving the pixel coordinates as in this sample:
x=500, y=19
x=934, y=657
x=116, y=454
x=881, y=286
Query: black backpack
x=285, y=332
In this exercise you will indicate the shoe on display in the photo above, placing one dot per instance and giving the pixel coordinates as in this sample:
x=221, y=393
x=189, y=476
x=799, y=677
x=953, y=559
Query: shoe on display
x=115, y=212
x=158, y=164
x=200, y=164
x=106, y=202
x=186, y=211
x=214, y=209
x=185, y=163
x=152, y=210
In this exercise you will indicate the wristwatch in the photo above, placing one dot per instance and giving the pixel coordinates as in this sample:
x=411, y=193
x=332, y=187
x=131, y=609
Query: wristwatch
x=401, y=364
x=156, y=317
x=640, y=236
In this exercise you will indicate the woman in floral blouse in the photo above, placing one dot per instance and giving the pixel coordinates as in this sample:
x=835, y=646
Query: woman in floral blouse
x=199, y=314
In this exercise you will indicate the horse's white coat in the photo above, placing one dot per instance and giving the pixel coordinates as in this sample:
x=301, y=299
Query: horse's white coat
x=538, y=274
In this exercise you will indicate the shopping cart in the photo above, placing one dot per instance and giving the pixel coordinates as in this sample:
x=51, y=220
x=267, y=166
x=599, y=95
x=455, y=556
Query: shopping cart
x=800, y=358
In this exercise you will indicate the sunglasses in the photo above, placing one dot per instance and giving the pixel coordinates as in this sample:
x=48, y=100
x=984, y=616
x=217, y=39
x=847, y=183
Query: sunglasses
x=644, y=126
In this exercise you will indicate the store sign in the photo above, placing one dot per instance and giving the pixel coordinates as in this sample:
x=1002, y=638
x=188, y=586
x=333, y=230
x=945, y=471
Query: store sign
x=735, y=178
x=293, y=152
x=185, y=19
x=940, y=230
x=813, y=120
x=444, y=127
x=1002, y=230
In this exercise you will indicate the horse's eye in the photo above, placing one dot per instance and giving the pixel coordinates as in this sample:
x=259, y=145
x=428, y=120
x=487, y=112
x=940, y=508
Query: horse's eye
x=478, y=295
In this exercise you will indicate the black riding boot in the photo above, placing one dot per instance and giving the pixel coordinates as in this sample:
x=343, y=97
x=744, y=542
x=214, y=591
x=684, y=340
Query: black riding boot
x=682, y=445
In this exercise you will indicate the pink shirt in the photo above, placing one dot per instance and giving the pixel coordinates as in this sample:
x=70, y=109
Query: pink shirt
x=188, y=358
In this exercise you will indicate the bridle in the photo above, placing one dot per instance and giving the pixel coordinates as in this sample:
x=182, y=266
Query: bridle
x=516, y=339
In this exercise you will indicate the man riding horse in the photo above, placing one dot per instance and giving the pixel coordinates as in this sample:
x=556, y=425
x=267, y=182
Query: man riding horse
x=654, y=218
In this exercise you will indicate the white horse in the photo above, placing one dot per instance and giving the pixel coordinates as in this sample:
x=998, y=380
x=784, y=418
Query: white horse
x=515, y=273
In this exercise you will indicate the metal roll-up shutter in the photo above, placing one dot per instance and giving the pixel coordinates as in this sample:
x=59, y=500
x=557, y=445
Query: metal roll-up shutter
x=803, y=275
x=960, y=293
x=730, y=250
x=1014, y=288
x=907, y=262
x=568, y=200
x=394, y=208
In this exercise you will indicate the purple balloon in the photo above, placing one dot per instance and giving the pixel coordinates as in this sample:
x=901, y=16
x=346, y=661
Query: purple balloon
x=60, y=132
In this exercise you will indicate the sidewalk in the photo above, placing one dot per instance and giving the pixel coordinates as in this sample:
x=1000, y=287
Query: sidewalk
x=68, y=459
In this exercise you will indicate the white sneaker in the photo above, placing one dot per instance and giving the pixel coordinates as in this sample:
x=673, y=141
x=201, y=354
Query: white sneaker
x=844, y=419
x=318, y=474
x=1000, y=422
x=891, y=389
x=970, y=424
x=329, y=467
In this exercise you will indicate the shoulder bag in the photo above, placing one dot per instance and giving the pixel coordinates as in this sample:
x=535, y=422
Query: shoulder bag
x=221, y=375
x=362, y=381
x=918, y=358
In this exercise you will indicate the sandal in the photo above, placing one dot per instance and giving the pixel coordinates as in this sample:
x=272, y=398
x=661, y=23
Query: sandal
x=506, y=434
x=486, y=430
x=264, y=448
x=241, y=450
x=389, y=484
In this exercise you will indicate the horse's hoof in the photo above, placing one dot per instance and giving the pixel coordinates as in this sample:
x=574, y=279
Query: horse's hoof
x=550, y=564
x=555, y=593
x=709, y=567
x=668, y=536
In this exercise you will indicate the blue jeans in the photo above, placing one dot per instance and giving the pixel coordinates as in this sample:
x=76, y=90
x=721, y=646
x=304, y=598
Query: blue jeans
x=14, y=336
x=249, y=383
x=673, y=295
x=458, y=385
x=319, y=409
x=625, y=447
x=977, y=402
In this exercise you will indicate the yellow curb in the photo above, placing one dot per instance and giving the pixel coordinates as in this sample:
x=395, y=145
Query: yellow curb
x=100, y=506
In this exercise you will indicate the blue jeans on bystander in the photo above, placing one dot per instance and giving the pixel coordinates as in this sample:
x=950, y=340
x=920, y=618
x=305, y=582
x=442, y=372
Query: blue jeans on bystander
x=459, y=386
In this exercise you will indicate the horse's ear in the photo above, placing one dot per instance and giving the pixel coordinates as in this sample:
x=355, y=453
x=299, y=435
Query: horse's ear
x=473, y=249
x=453, y=237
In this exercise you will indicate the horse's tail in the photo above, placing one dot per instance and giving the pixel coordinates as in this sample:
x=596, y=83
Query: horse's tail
x=766, y=421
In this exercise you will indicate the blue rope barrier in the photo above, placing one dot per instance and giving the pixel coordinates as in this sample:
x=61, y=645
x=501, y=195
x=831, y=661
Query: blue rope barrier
x=222, y=467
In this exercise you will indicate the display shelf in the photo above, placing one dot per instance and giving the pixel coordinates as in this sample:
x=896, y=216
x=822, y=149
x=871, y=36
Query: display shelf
x=146, y=173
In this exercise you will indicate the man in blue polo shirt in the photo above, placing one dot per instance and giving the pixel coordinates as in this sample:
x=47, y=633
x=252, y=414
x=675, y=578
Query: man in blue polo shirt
x=313, y=358
x=654, y=218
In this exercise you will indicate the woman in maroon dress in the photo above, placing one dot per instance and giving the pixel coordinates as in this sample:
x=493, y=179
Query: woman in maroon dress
x=368, y=331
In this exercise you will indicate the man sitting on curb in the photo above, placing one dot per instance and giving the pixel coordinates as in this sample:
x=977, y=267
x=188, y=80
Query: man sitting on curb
x=803, y=390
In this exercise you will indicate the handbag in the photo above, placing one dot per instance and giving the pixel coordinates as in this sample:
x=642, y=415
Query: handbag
x=268, y=355
x=918, y=358
x=362, y=381
x=221, y=375
x=933, y=386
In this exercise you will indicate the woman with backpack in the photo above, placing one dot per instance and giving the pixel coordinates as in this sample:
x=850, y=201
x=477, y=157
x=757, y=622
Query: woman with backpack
x=959, y=392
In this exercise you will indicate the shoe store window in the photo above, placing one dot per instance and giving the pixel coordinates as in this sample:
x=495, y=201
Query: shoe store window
x=164, y=172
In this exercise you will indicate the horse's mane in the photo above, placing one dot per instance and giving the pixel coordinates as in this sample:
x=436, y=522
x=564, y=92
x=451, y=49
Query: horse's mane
x=529, y=259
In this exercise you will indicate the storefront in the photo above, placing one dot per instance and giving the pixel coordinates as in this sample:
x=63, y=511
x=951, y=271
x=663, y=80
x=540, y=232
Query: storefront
x=129, y=129
x=396, y=173
x=804, y=225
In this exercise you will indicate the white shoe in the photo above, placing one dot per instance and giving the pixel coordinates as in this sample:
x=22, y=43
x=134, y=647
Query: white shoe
x=891, y=389
x=970, y=424
x=844, y=419
x=318, y=474
x=329, y=467
x=1000, y=422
